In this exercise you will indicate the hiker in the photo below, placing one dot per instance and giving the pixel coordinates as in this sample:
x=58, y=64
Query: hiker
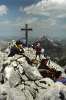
x=38, y=50
x=16, y=49
x=42, y=53
x=58, y=77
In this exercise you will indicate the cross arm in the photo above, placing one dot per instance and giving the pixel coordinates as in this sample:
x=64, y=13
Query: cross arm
x=22, y=29
x=30, y=29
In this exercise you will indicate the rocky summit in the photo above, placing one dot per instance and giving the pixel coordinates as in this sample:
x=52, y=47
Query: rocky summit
x=21, y=80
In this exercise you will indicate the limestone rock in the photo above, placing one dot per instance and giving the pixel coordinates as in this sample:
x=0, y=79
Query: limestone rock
x=14, y=64
x=20, y=69
x=31, y=86
x=21, y=87
x=32, y=91
x=31, y=72
x=16, y=94
x=8, y=71
x=1, y=78
x=28, y=95
x=48, y=81
x=14, y=78
x=6, y=63
x=4, y=90
x=45, y=83
x=24, y=77
x=48, y=94
x=23, y=80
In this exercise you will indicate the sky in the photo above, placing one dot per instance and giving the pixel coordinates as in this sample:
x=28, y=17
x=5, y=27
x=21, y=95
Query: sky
x=45, y=17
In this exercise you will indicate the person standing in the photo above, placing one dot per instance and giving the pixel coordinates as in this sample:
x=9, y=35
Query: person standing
x=38, y=50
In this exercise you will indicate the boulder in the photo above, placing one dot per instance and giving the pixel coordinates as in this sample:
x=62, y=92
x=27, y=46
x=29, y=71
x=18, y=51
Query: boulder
x=14, y=64
x=4, y=90
x=28, y=95
x=45, y=83
x=14, y=79
x=12, y=76
x=8, y=71
x=31, y=72
x=16, y=94
x=24, y=82
x=59, y=85
x=6, y=63
x=32, y=91
x=31, y=86
x=48, y=81
x=24, y=77
x=30, y=83
x=21, y=87
x=20, y=68
x=3, y=97
x=48, y=94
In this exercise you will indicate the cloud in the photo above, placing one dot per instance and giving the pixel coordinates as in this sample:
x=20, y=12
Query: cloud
x=3, y=10
x=29, y=20
x=50, y=16
x=58, y=1
x=52, y=9
x=35, y=8
x=44, y=6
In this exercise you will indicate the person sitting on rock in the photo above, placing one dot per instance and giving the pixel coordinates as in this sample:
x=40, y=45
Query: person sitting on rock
x=38, y=50
x=61, y=78
x=16, y=49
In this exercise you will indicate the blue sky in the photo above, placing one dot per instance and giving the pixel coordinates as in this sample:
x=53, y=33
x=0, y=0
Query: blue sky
x=46, y=17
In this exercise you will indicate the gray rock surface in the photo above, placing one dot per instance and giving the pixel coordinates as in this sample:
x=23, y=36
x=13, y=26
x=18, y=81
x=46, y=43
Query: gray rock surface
x=23, y=81
x=14, y=78
x=15, y=94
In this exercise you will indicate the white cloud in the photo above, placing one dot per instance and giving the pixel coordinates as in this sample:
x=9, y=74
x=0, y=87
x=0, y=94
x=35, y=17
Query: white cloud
x=29, y=20
x=44, y=5
x=54, y=9
x=35, y=8
x=58, y=1
x=3, y=10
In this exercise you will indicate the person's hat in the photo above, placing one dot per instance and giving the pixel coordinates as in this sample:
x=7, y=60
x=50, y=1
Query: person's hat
x=18, y=42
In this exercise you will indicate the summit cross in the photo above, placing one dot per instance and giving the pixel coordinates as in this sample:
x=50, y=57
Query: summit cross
x=26, y=29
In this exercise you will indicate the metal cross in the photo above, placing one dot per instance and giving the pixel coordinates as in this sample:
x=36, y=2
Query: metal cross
x=26, y=29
